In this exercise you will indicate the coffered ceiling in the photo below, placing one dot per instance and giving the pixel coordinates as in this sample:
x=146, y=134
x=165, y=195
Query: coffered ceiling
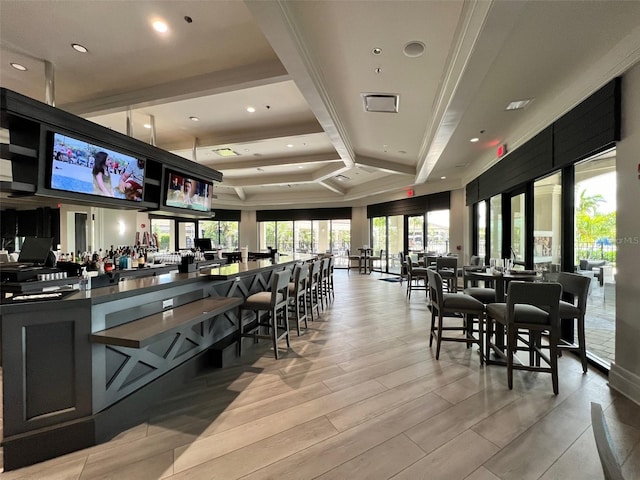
x=304, y=67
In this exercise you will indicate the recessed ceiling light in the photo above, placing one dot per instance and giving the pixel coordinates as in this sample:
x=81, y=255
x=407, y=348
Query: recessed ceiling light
x=79, y=48
x=474, y=140
x=442, y=178
x=300, y=166
x=194, y=119
x=147, y=125
x=290, y=145
x=519, y=104
x=225, y=152
x=376, y=51
x=414, y=49
x=160, y=26
x=17, y=66
x=251, y=109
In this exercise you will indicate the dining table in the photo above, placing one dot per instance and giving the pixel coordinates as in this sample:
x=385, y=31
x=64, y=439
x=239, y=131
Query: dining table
x=500, y=281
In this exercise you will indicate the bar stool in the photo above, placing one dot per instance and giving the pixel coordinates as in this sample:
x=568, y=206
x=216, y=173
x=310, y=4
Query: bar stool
x=323, y=293
x=414, y=275
x=275, y=303
x=332, y=294
x=313, y=294
x=578, y=287
x=297, y=292
x=446, y=304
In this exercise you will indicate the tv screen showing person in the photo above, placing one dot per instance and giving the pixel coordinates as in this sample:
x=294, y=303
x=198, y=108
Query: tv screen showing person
x=82, y=167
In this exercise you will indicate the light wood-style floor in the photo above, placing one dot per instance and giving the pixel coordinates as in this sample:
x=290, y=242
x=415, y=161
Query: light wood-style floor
x=361, y=396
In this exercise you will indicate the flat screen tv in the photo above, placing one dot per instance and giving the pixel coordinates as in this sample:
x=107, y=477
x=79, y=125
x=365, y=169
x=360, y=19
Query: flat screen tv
x=82, y=167
x=188, y=192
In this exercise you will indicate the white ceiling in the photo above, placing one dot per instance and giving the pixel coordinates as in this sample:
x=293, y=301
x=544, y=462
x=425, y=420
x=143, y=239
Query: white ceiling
x=304, y=65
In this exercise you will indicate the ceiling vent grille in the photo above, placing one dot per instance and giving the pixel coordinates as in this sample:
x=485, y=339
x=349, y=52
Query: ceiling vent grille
x=381, y=102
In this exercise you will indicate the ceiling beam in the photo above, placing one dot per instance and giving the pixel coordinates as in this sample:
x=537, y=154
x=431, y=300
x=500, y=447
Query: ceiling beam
x=240, y=162
x=246, y=136
x=385, y=165
x=247, y=76
x=276, y=20
x=240, y=193
x=330, y=185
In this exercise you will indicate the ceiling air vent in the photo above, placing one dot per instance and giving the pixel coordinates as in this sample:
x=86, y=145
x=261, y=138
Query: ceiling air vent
x=381, y=102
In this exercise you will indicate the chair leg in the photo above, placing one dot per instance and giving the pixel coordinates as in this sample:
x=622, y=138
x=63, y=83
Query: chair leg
x=274, y=331
x=511, y=342
x=481, y=337
x=239, y=333
x=553, y=356
x=582, y=344
x=439, y=342
x=432, y=332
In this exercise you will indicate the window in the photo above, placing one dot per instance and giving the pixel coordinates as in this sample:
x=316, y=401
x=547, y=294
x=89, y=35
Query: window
x=547, y=223
x=164, y=229
x=438, y=231
x=495, y=226
x=223, y=234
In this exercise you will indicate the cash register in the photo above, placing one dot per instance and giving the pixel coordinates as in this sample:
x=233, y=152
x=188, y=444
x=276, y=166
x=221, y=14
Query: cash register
x=35, y=258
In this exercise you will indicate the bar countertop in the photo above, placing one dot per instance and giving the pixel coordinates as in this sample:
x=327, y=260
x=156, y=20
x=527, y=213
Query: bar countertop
x=130, y=287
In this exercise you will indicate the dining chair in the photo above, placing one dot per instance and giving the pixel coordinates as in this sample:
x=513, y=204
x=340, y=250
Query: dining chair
x=577, y=286
x=447, y=267
x=486, y=294
x=351, y=259
x=275, y=303
x=530, y=310
x=451, y=304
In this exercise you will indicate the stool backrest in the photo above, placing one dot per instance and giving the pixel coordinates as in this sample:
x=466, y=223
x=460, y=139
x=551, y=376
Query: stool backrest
x=435, y=287
x=446, y=262
x=314, y=272
x=544, y=295
x=301, y=277
x=280, y=288
x=576, y=285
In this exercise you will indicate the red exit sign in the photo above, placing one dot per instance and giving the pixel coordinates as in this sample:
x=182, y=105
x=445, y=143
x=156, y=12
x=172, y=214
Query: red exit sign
x=502, y=150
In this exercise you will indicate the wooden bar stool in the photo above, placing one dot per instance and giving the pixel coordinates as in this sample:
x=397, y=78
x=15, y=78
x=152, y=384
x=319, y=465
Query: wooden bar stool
x=275, y=303
x=297, y=293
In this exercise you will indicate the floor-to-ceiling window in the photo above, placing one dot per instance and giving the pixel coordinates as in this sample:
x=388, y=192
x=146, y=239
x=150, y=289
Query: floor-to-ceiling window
x=495, y=226
x=303, y=236
x=547, y=223
x=186, y=234
x=223, y=234
x=518, y=228
x=416, y=233
x=438, y=231
x=395, y=243
x=481, y=219
x=267, y=235
x=164, y=230
x=340, y=240
x=595, y=240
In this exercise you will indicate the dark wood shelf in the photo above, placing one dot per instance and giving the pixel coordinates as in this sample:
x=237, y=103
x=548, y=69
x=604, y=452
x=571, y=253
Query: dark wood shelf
x=9, y=151
x=145, y=331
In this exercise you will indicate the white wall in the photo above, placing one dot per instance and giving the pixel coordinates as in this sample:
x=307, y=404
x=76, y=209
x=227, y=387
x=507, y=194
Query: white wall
x=359, y=229
x=625, y=372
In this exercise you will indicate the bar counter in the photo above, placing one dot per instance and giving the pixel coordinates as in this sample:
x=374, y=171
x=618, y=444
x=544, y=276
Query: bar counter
x=81, y=369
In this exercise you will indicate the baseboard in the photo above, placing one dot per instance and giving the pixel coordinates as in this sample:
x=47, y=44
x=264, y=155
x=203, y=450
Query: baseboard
x=37, y=446
x=625, y=382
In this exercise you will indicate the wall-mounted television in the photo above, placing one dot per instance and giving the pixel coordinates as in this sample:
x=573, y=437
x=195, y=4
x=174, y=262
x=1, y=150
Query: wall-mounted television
x=82, y=167
x=187, y=192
